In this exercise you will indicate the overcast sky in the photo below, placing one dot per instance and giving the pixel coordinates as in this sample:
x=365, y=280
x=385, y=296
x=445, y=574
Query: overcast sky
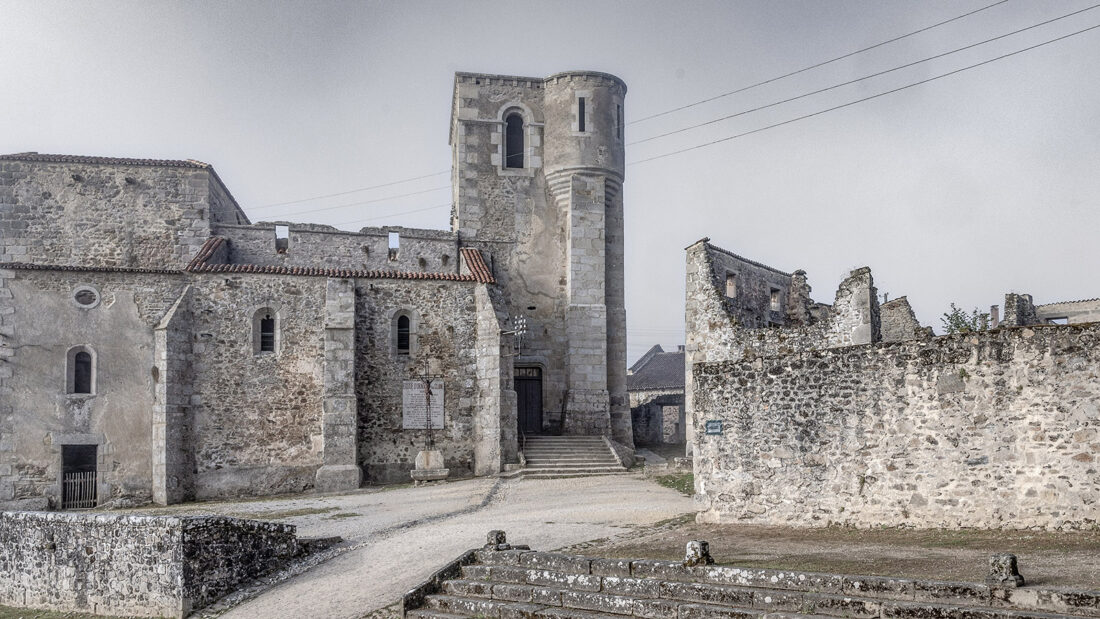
x=957, y=190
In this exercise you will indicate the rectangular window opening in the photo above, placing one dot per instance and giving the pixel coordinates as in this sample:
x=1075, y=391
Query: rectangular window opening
x=775, y=300
x=1058, y=321
x=282, y=239
x=580, y=114
x=731, y=285
x=395, y=244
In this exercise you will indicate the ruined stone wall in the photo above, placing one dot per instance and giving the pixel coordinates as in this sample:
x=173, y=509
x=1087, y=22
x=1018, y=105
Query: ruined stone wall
x=751, y=304
x=1019, y=310
x=42, y=328
x=314, y=245
x=133, y=565
x=104, y=215
x=899, y=323
x=443, y=345
x=994, y=429
x=257, y=415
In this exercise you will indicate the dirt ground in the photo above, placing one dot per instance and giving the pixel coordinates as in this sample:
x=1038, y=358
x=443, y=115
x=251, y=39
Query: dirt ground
x=1045, y=558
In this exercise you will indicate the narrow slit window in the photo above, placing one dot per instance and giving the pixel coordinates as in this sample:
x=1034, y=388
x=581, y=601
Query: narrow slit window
x=580, y=114
x=82, y=373
x=267, y=333
x=513, y=141
x=619, y=121
x=403, y=335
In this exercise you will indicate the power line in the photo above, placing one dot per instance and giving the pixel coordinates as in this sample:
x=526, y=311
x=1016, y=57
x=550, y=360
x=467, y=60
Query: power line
x=677, y=109
x=393, y=214
x=875, y=96
x=362, y=202
x=860, y=79
x=344, y=193
x=814, y=66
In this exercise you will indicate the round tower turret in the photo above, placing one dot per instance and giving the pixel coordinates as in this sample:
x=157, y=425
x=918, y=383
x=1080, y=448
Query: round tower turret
x=584, y=122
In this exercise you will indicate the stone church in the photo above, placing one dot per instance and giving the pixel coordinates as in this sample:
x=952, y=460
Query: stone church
x=157, y=346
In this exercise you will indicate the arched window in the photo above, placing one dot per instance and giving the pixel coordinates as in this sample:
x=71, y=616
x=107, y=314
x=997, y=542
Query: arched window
x=403, y=325
x=403, y=335
x=81, y=371
x=265, y=331
x=513, y=141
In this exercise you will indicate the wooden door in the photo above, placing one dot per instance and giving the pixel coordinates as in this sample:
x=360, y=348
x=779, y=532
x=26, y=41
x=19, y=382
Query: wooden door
x=529, y=400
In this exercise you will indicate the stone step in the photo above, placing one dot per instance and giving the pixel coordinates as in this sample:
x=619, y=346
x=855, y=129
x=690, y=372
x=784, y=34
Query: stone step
x=569, y=475
x=573, y=470
x=568, y=457
x=562, y=580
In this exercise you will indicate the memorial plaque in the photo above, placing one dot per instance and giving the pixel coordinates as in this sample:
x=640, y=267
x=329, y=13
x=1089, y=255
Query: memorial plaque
x=416, y=404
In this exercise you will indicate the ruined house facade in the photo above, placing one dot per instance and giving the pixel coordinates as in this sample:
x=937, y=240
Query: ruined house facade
x=854, y=414
x=156, y=341
x=655, y=384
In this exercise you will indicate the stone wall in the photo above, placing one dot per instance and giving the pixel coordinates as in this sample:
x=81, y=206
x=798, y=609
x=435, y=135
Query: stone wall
x=899, y=323
x=257, y=415
x=315, y=245
x=443, y=345
x=43, y=328
x=118, y=215
x=133, y=565
x=994, y=429
x=1074, y=312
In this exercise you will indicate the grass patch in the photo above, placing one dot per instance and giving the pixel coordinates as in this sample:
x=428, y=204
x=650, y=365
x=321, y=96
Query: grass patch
x=684, y=482
x=343, y=515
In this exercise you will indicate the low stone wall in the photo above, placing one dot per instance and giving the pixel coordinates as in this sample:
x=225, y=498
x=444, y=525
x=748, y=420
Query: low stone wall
x=133, y=565
x=998, y=429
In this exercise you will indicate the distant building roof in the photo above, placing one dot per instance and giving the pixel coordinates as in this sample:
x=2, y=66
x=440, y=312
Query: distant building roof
x=657, y=369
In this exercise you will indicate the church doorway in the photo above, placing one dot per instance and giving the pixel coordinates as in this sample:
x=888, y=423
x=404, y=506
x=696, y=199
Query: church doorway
x=529, y=400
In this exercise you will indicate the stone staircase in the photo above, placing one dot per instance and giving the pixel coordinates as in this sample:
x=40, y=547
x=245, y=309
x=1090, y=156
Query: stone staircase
x=507, y=582
x=568, y=456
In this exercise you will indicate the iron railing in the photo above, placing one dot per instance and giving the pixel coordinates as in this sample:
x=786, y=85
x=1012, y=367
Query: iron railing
x=78, y=490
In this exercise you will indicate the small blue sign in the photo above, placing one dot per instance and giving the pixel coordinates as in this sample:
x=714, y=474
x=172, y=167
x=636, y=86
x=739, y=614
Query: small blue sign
x=713, y=427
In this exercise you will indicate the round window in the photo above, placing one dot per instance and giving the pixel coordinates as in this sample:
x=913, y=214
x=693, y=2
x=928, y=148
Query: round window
x=86, y=297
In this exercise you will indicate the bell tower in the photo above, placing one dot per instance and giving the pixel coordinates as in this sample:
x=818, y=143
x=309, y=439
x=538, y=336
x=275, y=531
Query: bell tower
x=538, y=172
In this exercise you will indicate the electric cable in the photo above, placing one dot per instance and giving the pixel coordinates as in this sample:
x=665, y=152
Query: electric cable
x=814, y=66
x=863, y=99
x=344, y=193
x=860, y=79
